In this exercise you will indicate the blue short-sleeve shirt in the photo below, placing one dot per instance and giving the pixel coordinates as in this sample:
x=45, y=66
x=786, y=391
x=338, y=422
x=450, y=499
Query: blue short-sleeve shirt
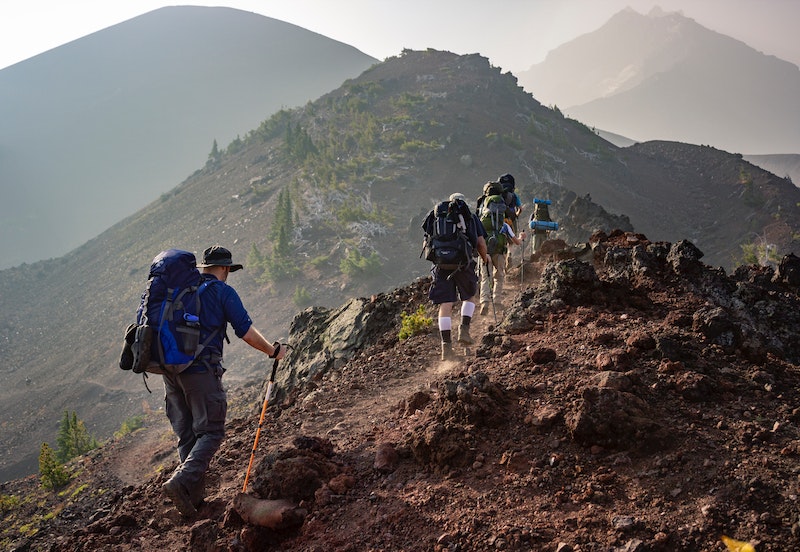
x=220, y=306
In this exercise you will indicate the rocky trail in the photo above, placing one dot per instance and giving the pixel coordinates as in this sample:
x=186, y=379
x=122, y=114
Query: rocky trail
x=640, y=401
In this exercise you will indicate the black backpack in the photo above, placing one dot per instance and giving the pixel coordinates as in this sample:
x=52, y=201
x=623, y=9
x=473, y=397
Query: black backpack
x=446, y=243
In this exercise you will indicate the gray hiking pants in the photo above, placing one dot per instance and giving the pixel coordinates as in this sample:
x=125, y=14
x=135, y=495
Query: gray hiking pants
x=196, y=406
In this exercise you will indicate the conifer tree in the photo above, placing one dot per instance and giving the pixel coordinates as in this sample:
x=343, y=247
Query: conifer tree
x=73, y=439
x=51, y=473
x=214, y=156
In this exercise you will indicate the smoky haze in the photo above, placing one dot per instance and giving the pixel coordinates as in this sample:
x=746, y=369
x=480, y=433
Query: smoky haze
x=97, y=129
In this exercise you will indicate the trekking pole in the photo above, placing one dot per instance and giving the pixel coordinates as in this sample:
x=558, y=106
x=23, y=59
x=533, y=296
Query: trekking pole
x=270, y=385
x=522, y=265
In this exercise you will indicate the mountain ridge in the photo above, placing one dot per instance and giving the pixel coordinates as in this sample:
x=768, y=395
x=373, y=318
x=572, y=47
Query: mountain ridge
x=381, y=150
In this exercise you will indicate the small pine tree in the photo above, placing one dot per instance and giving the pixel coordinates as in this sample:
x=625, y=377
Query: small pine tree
x=73, y=439
x=213, y=156
x=255, y=260
x=52, y=474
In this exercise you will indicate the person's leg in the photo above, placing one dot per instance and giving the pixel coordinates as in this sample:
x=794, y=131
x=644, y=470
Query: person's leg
x=486, y=288
x=443, y=293
x=538, y=239
x=509, y=257
x=467, y=285
x=209, y=404
x=499, y=281
x=467, y=310
x=179, y=415
x=445, y=330
x=207, y=400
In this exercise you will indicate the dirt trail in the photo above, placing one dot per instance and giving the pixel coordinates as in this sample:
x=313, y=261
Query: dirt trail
x=352, y=411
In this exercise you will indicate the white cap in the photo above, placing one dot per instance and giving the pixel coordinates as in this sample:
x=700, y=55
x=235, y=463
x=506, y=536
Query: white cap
x=456, y=196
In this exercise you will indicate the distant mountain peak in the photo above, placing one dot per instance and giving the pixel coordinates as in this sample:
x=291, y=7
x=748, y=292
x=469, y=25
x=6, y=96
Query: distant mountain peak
x=665, y=76
x=657, y=12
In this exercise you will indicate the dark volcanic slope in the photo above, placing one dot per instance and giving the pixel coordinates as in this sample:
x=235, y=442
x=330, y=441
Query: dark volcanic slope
x=637, y=401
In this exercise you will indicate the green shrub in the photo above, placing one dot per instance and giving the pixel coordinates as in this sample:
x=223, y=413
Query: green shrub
x=414, y=323
x=760, y=253
x=319, y=261
x=301, y=297
x=512, y=141
x=52, y=474
x=8, y=503
x=355, y=264
x=130, y=425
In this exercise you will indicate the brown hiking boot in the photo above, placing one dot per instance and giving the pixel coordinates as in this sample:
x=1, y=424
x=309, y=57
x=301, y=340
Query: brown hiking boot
x=447, y=351
x=463, y=335
x=179, y=496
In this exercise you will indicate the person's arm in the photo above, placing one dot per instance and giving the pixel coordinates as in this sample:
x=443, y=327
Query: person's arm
x=477, y=230
x=508, y=231
x=257, y=341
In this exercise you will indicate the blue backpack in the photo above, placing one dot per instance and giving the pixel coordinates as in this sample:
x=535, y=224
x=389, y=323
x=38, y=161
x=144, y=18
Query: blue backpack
x=166, y=334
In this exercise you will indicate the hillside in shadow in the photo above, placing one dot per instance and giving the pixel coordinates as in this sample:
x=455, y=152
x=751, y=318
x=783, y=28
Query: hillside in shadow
x=96, y=129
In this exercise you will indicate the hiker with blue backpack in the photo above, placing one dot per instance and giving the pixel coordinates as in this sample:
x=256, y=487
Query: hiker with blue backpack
x=453, y=234
x=180, y=328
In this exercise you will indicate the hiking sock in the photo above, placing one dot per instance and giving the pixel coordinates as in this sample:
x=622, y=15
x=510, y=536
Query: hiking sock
x=467, y=309
x=445, y=330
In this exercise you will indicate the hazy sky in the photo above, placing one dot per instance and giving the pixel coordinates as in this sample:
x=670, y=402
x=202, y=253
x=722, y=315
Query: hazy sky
x=513, y=34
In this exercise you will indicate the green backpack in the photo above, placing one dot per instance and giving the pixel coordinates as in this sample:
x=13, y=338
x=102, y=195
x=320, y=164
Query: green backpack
x=493, y=214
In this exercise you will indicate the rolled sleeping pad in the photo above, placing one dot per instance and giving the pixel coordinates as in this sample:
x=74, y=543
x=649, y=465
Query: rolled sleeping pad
x=543, y=225
x=543, y=201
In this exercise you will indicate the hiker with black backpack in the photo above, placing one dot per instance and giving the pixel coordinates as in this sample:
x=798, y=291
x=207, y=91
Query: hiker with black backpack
x=499, y=234
x=452, y=235
x=513, y=209
x=196, y=402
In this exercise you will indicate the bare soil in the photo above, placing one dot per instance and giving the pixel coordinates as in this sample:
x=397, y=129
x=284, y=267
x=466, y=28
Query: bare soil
x=615, y=422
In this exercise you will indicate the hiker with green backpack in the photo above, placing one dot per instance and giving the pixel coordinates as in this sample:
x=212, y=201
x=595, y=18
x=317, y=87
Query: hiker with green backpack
x=492, y=214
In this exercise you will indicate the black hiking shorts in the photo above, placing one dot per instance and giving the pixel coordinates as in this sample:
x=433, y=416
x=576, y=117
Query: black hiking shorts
x=451, y=285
